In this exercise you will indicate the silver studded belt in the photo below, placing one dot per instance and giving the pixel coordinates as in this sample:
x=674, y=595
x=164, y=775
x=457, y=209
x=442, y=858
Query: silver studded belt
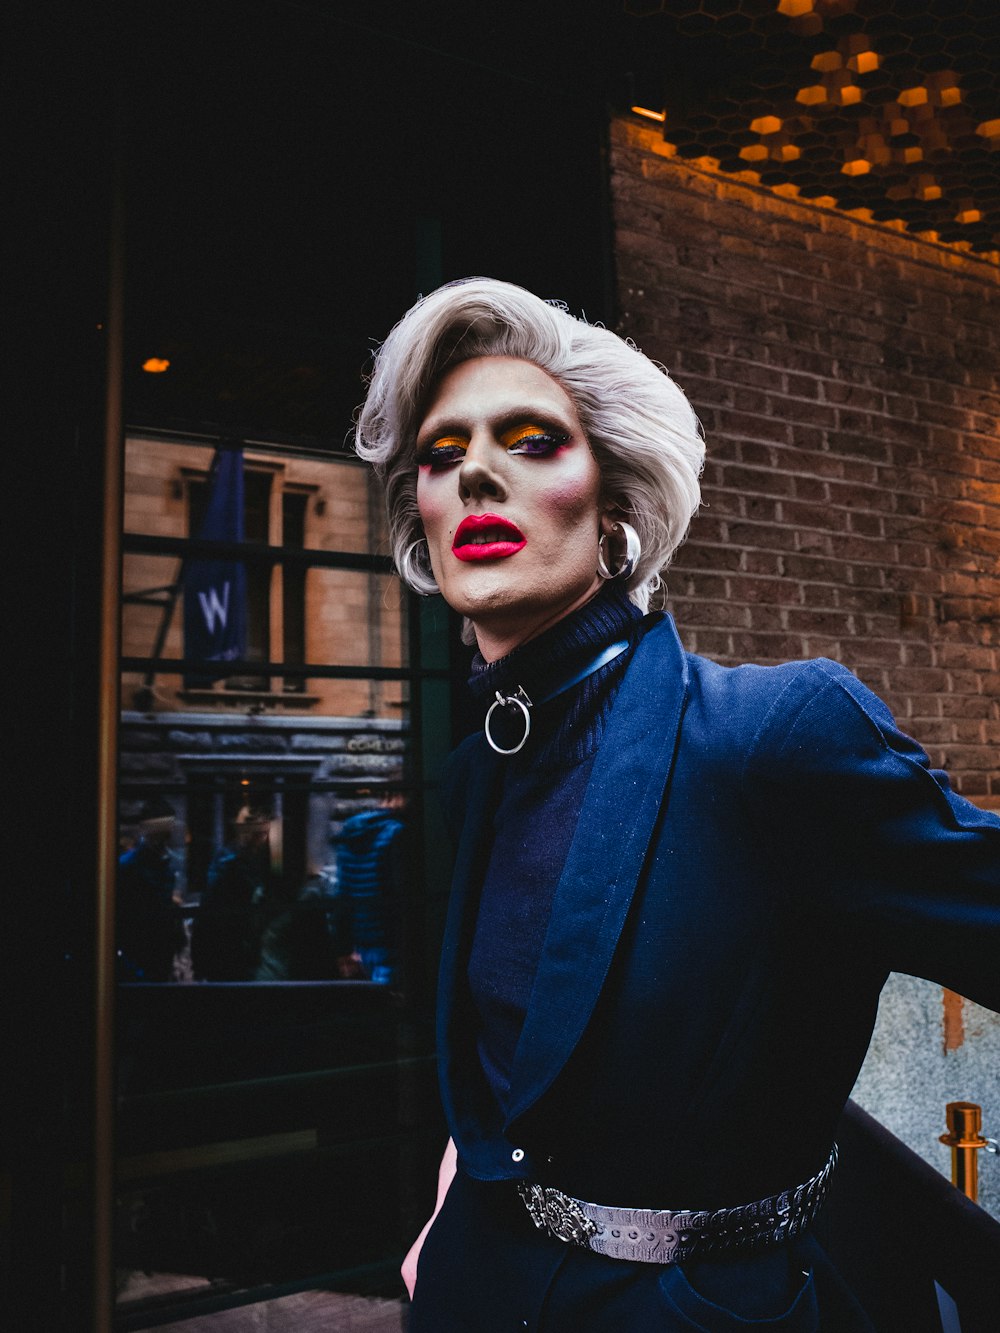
x=665, y=1236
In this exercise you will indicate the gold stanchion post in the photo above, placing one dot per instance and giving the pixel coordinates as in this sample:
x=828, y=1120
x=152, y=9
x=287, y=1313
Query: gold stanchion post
x=965, y=1138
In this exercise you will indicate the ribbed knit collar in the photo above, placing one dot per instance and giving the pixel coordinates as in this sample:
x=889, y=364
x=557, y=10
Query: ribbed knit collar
x=567, y=729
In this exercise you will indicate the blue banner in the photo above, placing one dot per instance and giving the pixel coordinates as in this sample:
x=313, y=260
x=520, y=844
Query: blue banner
x=215, y=591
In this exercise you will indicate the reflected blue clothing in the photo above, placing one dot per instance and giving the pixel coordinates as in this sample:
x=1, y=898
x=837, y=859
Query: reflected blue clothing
x=369, y=882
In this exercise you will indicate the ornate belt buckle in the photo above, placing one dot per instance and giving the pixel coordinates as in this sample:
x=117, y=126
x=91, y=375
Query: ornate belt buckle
x=556, y=1213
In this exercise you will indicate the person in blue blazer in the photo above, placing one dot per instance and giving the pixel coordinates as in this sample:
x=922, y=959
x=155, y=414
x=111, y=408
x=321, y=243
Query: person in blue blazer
x=678, y=887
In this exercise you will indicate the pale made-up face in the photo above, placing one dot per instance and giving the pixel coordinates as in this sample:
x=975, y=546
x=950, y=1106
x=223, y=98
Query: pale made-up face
x=510, y=497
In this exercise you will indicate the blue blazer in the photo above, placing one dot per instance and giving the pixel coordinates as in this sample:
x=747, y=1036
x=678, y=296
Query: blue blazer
x=757, y=849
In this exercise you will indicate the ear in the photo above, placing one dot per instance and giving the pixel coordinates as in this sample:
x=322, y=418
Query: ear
x=611, y=514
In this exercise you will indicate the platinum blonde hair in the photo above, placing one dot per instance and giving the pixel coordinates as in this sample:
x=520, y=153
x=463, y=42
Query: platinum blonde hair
x=642, y=430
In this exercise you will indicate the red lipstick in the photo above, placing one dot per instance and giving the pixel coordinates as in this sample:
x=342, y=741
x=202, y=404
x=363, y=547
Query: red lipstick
x=487, y=537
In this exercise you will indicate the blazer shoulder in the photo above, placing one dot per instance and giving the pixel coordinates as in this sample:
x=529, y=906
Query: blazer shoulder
x=745, y=701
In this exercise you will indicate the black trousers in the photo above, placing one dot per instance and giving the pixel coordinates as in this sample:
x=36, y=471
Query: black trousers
x=485, y=1268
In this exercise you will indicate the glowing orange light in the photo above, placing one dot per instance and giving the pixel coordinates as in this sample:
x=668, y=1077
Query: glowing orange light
x=912, y=96
x=650, y=115
x=826, y=61
x=848, y=95
x=969, y=215
x=754, y=152
x=794, y=9
x=811, y=95
x=766, y=125
x=789, y=153
x=950, y=96
x=912, y=154
x=858, y=166
x=989, y=129
x=156, y=365
x=864, y=62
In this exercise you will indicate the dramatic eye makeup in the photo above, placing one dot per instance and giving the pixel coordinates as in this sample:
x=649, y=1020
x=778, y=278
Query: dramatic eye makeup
x=537, y=441
x=442, y=451
x=531, y=439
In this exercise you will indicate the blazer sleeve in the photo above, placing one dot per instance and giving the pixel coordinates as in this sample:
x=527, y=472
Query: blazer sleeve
x=872, y=833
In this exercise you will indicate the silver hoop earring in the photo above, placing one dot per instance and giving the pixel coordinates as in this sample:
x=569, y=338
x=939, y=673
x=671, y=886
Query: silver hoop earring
x=633, y=550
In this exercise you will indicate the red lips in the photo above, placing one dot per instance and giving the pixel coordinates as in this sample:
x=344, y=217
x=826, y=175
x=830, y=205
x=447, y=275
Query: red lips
x=487, y=537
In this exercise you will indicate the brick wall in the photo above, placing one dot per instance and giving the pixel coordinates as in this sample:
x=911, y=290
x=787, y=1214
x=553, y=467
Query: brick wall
x=847, y=379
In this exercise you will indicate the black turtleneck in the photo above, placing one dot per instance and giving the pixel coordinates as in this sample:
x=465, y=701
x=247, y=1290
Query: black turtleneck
x=539, y=802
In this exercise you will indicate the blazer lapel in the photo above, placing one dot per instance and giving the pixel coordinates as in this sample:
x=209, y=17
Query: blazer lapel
x=620, y=809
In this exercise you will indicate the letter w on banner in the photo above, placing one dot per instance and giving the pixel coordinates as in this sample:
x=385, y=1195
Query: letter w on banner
x=215, y=591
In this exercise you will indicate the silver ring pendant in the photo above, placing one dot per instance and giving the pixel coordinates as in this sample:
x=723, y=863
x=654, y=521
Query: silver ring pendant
x=502, y=702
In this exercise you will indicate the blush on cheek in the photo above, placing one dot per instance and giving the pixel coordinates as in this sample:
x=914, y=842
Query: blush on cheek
x=571, y=498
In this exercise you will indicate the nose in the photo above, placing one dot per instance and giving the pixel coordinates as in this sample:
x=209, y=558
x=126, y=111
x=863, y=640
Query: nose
x=478, y=475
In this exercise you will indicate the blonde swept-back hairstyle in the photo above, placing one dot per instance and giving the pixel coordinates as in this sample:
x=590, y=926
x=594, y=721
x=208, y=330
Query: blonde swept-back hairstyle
x=642, y=430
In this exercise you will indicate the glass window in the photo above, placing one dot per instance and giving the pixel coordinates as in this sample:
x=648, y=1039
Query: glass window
x=277, y=913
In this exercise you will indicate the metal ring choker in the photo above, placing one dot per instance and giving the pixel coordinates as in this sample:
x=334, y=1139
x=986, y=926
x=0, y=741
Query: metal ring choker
x=520, y=699
x=665, y=1236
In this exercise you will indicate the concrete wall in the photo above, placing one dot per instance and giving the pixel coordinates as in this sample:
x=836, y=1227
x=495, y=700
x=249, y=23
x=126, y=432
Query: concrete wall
x=848, y=378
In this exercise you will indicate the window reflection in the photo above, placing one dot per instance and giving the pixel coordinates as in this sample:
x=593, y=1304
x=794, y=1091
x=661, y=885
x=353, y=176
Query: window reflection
x=263, y=771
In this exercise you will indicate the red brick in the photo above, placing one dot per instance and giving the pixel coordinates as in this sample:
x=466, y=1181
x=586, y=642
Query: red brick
x=762, y=562
x=867, y=576
x=698, y=584
x=766, y=480
x=975, y=784
x=867, y=525
x=751, y=647
x=711, y=643
x=811, y=489
x=916, y=654
x=802, y=514
x=931, y=732
x=770, y=591
x=859, y=446
x=884, y=652
x=707, y=555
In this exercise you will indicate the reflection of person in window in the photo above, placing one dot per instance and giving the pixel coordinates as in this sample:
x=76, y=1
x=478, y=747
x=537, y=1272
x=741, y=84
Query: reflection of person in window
x=150, y=927
x=678, y=886
x=225, y=938
x=369, y=889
